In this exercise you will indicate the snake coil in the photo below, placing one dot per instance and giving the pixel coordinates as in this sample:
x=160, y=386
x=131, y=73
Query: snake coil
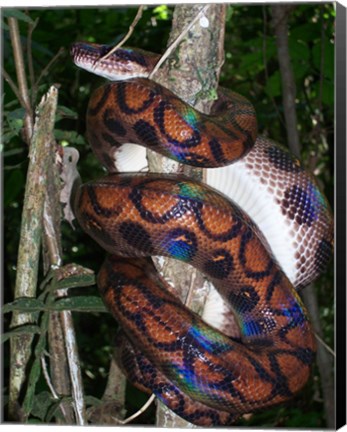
x=203, y=375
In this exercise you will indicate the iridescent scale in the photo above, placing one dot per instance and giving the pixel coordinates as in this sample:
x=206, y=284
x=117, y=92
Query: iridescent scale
x=272, y=187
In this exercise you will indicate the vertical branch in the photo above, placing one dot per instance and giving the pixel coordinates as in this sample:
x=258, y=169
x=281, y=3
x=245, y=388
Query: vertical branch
x=30, y=57
x=21, y=77
x=64, y=360
x=324, y=361
x=280, y=24
x=30, y=240
x=191, y=73
x=58, y=363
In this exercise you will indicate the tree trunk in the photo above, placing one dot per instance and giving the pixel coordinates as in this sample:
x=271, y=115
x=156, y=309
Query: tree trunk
x=30, y=244
x=280, y=15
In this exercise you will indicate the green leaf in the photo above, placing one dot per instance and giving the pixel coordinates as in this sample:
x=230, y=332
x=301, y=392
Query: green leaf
x=300, y=69
x=29, y=329
x=306, y=32
x=230, y=12
x=273, y=85
x=298, y=50
x=34, y=376
x=16, y=13
x=65, y=112
x=327, y=92
x=162, y=12
x=55, y=411
x=24, y=304
x=35, y=371
x=80, y=304
x=4, y=26
x=258, y=52
x=71, y=137
x=42, y=402
x=329, y=65
x=15, y=119
x=251, y=61
x=76, y=281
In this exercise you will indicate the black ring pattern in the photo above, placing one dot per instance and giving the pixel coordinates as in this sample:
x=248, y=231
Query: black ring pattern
x=125, y=108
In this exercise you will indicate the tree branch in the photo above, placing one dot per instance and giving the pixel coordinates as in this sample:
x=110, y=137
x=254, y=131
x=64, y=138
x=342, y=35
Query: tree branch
x=280, y=24
x=30, y=239
x=30, y=57
x=175, y=43
x=21, y=77
x=14, y=88
x=126, y=37
x=65, y=365
x=46, y=69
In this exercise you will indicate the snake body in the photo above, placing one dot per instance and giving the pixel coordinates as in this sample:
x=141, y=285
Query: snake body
x=203, y=375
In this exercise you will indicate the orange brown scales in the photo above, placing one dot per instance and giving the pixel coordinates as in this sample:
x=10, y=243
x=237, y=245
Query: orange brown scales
x=188, y=221
x=173, y=315
x=167, y=123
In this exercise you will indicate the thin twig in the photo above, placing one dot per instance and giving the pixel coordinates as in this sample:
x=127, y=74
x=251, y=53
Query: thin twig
x=126, y=37
x=50, y=385
x=326, y=346
x=74, y=367
x=139, y=412
x=21, y=77
x=46, y=69
x=52, y=236
x=48, y=378
x=30, y=57
x=177, y=41
x=15, y=89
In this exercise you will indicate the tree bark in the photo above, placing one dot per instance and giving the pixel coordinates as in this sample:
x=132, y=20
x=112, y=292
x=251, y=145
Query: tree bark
x=21, y=78
x=61, y=332
x=30, y=241
x=280, y=15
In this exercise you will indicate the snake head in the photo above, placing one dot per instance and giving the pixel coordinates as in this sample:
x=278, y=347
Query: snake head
x=122, y=64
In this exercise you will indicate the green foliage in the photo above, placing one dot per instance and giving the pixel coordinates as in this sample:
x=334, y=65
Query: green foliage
x=251, y=68
x=42, y=403
x=18, y=14
x=74, y=277
x=162, y=12
x=28, y=329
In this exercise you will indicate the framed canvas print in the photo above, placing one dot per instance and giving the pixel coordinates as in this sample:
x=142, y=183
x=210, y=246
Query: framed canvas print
x=174, y=215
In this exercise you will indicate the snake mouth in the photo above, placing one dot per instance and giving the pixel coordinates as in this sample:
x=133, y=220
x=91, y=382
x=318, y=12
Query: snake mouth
x=122, y=64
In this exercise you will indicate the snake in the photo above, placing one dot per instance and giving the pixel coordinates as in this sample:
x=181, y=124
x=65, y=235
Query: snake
x=205, y=376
